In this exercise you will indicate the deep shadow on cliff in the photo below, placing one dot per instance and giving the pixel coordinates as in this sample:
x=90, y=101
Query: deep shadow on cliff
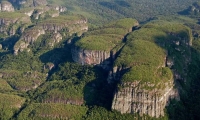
x=59, y=55
x=187, y=108
x=98, y=92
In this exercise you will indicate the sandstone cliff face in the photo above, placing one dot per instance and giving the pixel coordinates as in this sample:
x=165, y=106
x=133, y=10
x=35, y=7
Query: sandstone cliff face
x=135, y=99
x=107, y=42
x=90, y=57
x=6, y=7
x=31, y=35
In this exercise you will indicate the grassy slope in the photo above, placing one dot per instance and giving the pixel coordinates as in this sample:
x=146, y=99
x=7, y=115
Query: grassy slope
x=144, y=52
x=9, y=104
x=49, y=111
x=108, y=37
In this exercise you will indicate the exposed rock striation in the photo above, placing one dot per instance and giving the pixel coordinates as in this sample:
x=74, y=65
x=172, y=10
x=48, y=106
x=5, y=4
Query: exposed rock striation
x=90, y=57
x=147, y=84
x=27, y=38
x=135, y=99
x=99, y=47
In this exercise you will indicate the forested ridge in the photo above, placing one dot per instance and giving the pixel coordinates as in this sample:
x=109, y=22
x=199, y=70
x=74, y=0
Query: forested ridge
x=98, y=11
x=73, y=59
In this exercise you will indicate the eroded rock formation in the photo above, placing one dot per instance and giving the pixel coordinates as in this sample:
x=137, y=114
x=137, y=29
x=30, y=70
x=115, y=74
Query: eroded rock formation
x=132, y=98
x=90, y=57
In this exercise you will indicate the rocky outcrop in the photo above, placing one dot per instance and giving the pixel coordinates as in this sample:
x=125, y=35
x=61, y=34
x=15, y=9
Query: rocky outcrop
x=86, y=52
x=90, y=57
x=27, y=38
x=6, y=6
x=132, y=98
x=31, y=35
x=56, y=38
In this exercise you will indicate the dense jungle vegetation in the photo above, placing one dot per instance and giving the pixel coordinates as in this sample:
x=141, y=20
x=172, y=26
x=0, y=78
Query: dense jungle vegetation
x=45, y=83
x=98, y=11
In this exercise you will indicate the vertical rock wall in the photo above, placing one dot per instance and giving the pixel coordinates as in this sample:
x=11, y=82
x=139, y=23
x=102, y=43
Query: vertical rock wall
x=90, y=57
x=133, y=99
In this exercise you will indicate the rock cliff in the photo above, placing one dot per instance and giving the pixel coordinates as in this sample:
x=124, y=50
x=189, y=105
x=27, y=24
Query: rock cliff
x=147, y=84
x=132, y=98
x=90, y=57
x=99, y=47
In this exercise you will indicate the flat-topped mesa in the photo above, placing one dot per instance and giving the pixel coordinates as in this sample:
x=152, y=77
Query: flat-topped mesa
x=147, y=86
x=135, y=99
x=6, y=6
x=146, y=81
x=98, y=47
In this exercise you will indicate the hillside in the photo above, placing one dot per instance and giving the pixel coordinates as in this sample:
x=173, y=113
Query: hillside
x=99, y=60
x=99, y=11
